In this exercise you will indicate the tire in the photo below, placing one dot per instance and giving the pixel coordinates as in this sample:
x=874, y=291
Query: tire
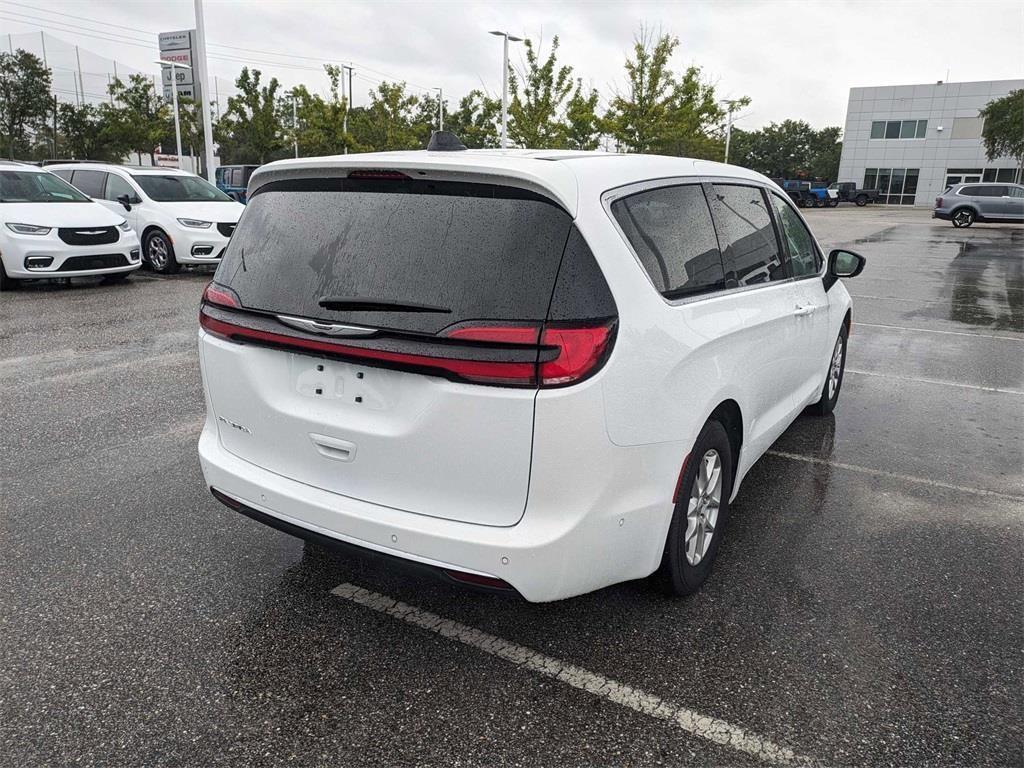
x=159, y=252
x=861, y=200
x=962, y=217
x=834, y=378
x=6, y=283
x=119, y=277
x=833, y=202
x=817, y=202
x=686, y=563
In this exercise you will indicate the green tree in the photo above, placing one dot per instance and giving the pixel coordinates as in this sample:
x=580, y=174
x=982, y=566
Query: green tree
x=322, y=121
x=582, y=125
x=387, y=123
x=1003, y=133
x=790, y=149
x=538, y=104
x=663, y=113
x=252, y=128
x=138, y=119
x=83, y=133
x=25, y=102
x=476, y=120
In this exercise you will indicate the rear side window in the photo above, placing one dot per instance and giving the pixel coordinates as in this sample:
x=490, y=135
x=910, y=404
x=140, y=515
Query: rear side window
x=670, y=229
x=90, y=182
x=750, y=249
x=407, y=255
x=64, y=173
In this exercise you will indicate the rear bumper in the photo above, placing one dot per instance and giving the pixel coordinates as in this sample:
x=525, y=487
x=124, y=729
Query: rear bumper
x=940, y=214
x=542, y=558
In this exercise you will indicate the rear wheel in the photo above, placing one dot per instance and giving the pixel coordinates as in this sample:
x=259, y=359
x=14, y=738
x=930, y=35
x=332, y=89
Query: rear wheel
x=962, y=217
x=834, y=379
x=160, y=253
x=861, y=200
x=701, y=513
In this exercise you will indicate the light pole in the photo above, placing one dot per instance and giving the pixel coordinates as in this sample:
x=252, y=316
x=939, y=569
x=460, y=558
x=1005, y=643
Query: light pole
x=174, y=100
x=440, y=108
x=504, y=85
x=731, y=104
x=348, y=101
x=295, y=123
x=204, y=81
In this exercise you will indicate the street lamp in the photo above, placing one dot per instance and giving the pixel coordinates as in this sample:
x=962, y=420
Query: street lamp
x=504, y=85
x=295, y=123
x=731, y=104
x=440, y=108
x=174, y=99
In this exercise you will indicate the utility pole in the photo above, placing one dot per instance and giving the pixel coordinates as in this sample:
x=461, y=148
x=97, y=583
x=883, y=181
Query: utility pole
x=348, y=102
x=504, y=85
x=440, y=108
x=728, y=133
x=55, y=126
x=81, y=82
x=42, y=38
x=204, y=83
x=295, y=124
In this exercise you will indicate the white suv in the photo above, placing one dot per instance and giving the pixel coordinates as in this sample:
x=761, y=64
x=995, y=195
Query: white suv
x=546, y=371
x=179, y=217
x=48, y=229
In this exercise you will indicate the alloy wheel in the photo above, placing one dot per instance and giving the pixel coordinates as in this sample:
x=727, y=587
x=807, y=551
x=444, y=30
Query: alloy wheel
x=835, y=371
x=703, y=506
x=156, y=252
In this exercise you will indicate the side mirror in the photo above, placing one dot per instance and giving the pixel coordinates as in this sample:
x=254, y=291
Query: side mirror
x=126, y=201
x=842, y=263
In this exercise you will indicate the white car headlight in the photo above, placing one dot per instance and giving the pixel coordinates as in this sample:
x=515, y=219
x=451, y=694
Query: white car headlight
x=195, y=223
x=28, y=229
x=124, y=226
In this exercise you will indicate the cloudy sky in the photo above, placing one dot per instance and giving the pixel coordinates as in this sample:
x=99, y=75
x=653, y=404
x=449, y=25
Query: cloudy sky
x=794, y=59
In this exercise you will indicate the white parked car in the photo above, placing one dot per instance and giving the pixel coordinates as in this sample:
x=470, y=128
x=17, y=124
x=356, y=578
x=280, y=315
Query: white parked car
x=49, y=229
x=541, y=370
x=179, y=217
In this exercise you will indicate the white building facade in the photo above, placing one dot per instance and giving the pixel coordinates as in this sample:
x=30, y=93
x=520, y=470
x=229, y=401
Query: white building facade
x=911, y=141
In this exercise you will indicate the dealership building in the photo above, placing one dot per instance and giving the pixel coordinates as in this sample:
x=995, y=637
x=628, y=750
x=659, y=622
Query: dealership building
x=911, y=141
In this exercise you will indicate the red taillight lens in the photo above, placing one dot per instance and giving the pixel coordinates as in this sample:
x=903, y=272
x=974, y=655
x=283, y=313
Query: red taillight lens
x=476, y=579
x=395, y=175
x=582, y=349
x=938, y=202
x=221, y=296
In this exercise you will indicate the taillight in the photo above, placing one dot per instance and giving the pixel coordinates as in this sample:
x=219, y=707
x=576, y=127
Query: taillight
x=938, y=202
x=221, y=296
x=393, y=175
x=581, y=350
x=567, y=354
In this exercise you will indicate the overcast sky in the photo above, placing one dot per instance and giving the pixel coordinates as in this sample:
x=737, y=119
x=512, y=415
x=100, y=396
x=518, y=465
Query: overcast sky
x=794, y=59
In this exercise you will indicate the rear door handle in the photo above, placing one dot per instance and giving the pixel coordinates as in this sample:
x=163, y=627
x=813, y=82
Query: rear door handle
x=806, y=309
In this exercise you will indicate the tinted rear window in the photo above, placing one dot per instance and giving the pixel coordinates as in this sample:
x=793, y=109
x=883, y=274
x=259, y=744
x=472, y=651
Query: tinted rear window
x=478, y=251
x=671, y=231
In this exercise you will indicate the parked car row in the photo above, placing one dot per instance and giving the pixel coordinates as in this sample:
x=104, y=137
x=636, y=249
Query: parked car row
x=83, y=219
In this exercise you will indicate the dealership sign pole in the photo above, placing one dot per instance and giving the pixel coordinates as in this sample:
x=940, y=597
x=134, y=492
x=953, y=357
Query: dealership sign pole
x=204, y=79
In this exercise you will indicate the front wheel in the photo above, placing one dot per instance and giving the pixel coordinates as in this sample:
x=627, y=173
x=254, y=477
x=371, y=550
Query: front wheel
x=160, y=253
x=833, y=202
x=6, y=283
x=834, y=379
x=963, y=218
x=701, y=513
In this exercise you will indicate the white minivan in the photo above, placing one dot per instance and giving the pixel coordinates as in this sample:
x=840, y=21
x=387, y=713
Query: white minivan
x=48, y=229
x=544, y=371
x=180, y=218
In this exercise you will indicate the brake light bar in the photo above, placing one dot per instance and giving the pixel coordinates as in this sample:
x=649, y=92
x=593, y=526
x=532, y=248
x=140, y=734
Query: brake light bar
x=396, y=175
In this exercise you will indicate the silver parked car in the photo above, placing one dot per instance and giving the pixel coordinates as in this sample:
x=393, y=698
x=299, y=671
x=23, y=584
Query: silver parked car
x=964, y=204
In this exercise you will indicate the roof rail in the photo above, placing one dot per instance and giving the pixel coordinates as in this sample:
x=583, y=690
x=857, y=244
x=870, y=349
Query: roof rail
x=45, y=163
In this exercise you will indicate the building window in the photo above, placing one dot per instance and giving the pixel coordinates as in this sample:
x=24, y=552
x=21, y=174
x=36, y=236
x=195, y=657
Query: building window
x=899, y=129
x=1003, y=175
x=963, y=176
x=898, y=186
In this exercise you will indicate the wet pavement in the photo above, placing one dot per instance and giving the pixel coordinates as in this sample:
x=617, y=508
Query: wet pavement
x=865, y=609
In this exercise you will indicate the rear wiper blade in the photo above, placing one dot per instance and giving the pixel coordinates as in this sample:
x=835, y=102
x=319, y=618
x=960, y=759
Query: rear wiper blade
x=361, y=304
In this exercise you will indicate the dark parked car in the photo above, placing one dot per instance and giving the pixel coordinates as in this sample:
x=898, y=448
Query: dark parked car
x=234, y=179
x=848, y=193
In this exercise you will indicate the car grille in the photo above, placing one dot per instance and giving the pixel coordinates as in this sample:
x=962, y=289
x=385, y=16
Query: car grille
x=88, y=235
x=98, y=261
x=226, y=228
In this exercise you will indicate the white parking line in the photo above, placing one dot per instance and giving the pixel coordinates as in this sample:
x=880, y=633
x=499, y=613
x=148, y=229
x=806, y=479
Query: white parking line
x=709, y=728
x=941, y=382
x=932, y=330
x=893, y=475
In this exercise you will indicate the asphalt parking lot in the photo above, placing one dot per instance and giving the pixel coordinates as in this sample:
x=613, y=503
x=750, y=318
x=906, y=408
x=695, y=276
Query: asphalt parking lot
x=866, y=606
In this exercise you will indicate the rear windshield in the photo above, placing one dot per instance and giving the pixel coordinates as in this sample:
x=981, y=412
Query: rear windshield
x=424, y=254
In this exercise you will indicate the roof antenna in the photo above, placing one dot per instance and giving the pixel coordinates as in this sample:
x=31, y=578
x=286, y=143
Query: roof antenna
x=445, y=141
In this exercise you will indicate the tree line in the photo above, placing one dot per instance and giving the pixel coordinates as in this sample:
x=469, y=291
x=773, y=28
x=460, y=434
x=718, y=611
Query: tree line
x=659, y=110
